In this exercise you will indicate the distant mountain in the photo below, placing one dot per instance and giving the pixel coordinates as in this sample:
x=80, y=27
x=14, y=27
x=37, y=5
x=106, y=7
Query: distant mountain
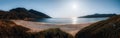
x=98, y=15
x=22, y=13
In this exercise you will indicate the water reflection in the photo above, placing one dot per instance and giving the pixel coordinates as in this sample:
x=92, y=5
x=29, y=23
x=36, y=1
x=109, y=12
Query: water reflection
x=74, y=20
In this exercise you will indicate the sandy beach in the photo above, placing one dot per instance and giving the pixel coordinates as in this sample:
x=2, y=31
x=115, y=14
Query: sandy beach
x=38, y=26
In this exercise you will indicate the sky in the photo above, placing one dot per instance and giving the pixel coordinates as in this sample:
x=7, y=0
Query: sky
x=65, y=8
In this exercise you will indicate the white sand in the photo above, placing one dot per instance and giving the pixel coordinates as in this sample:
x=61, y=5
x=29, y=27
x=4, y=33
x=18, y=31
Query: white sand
x=38, y=26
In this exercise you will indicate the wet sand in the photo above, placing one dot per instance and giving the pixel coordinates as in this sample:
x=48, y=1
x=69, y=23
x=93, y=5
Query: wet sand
x=39, y=26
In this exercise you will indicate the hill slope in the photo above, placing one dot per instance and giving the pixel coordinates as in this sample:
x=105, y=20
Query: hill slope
x=109, y=28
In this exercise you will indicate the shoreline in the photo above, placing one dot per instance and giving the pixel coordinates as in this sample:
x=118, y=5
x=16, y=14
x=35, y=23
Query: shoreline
x=39, y=26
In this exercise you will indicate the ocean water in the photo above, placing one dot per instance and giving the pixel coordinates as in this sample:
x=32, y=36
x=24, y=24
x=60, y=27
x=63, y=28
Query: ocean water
x=69, y=20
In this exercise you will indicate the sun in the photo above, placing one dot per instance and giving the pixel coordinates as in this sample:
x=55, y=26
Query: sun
x=74, y=6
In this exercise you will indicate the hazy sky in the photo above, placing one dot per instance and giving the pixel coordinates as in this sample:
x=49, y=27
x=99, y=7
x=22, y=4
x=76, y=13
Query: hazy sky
x=65, y=8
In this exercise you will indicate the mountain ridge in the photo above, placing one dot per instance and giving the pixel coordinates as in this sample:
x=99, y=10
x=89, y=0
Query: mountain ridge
x=21, y=13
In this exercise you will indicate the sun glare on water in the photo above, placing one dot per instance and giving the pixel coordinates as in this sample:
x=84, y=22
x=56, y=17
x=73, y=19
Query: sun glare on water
x=74, y=20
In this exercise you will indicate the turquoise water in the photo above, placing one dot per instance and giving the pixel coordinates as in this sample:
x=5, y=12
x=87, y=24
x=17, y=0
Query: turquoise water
x=69, y=20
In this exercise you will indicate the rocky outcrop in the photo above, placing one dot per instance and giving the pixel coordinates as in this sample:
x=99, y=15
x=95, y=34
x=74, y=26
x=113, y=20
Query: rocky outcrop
x=109, y=28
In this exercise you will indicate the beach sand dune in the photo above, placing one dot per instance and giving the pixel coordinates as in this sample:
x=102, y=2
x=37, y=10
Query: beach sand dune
x=39, y=26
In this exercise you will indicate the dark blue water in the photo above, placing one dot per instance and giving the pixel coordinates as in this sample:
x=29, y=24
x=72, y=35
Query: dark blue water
x=69, y=20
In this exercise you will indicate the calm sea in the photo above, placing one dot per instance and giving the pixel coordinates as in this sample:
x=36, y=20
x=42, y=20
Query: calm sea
x=69, y=20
